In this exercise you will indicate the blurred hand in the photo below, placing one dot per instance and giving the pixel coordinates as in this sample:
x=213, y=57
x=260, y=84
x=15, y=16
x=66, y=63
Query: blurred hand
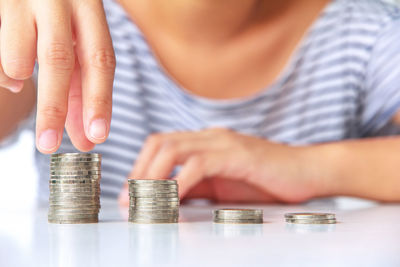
x=71, y=42
x=223, y=165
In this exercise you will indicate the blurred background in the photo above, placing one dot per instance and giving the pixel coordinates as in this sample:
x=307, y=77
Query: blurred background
x=18, y=177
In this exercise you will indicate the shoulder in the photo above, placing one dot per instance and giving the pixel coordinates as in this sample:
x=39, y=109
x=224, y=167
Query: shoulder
x=374, y=15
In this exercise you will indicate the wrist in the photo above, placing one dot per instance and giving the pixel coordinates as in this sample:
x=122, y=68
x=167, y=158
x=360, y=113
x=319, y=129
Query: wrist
x=322, y=166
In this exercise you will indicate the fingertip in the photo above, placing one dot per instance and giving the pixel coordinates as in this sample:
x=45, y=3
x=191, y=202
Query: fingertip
x=48, y=141
x=82, y=144
x=98, y=131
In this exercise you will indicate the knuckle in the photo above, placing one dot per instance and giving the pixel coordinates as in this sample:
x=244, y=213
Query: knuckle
x=60, y=57
x=170, y=147
x=199, y=161
x=53, y=112
x=103, y=60
x=154, y=139
x=101, y=102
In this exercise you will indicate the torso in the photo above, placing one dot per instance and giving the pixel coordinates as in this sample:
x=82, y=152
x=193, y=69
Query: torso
x=319, y=97
x=240, y=66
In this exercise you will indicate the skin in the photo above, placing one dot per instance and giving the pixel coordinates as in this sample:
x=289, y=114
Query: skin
x=72, y=45
x=240, y=45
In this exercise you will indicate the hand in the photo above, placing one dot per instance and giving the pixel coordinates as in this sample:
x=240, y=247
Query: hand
x=71, y=42
x=269, y=170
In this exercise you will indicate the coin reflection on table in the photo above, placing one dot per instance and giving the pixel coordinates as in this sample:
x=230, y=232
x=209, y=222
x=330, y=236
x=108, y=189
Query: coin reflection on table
x=237, y=230
x=74, y=245
x=153, y=244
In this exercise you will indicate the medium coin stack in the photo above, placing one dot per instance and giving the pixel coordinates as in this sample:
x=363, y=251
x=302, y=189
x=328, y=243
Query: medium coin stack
x=153, y=201
x=238, y=216
x=74, y=188
x=310, y=218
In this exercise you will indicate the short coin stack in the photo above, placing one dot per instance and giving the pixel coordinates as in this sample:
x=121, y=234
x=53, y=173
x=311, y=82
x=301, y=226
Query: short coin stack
x=238, y=216
x=74, y=188
x=310, y=218
x=153, y=201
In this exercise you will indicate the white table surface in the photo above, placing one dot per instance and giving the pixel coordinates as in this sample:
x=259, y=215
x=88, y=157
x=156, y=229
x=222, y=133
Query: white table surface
x=367, y=235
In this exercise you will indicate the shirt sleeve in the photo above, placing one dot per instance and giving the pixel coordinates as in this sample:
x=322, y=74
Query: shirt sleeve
x=381, y=98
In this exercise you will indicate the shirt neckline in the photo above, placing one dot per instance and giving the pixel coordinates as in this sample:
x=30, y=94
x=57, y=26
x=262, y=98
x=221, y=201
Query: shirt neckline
x=167, y=80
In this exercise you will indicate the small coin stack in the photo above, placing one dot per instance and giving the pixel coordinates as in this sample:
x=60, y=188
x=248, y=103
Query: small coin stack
x=74, y=188
x=238, y=216
x=310, y=218
x=153, y=201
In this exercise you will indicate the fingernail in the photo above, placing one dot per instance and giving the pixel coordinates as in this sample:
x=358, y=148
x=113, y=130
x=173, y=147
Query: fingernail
x=48, y=140
x=98, y=129
x=16, y=86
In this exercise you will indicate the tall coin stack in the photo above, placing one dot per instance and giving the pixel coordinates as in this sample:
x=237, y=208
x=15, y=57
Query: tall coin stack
x=238, y=216
x=153, y=201
x=74, y=188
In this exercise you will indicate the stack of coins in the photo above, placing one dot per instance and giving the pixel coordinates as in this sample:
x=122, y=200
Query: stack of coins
x=153, y=201
x=238, y=216
x=310, y=218
x=74, y=188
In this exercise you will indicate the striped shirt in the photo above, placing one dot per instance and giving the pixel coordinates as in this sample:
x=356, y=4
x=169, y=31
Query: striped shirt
x=342, y=82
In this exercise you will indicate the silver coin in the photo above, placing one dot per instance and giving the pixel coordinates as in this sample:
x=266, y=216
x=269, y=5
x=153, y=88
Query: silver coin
x=152, y=181
x=153, y=207
x=76, y=164
x=70, y=181
x=59, y=163
x=78, y=191
x=163, y=204
x=310, y=215
x=73, y=216
x=74, y=173
x=57, y=195
x=63, y=155
x=154, y=204
x=238, y=211
x=74, y=168
x=148, y=214
x=155, y=195
x=76, y=206
x=154, y=199
x=73, y=212
x=134, y=188
x=154, y=212
x=74, y=185
x=94, y=176
x=58, y=221
x=80, y=200
x=153, y=189
x=83, y=160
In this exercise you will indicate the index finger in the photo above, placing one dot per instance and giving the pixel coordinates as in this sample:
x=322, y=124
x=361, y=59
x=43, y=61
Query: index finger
x=97, y=60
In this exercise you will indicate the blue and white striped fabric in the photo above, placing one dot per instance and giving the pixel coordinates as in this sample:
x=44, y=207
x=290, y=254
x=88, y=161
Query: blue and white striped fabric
x=343, y=82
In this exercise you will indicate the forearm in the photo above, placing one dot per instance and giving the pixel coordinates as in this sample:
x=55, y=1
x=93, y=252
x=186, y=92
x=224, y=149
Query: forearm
x=367, y=168
x=15, y=107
